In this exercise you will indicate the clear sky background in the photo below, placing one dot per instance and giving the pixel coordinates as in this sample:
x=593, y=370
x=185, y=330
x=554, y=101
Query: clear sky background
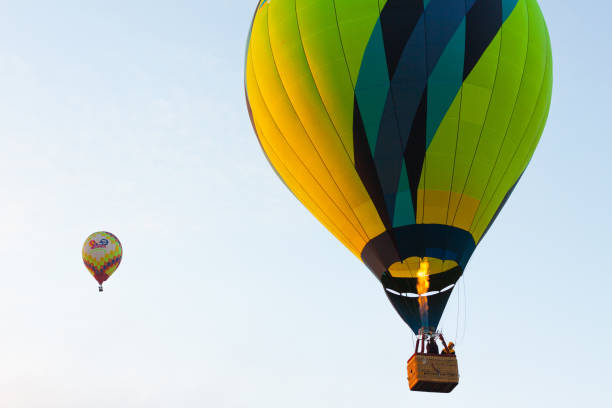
x=130, y=117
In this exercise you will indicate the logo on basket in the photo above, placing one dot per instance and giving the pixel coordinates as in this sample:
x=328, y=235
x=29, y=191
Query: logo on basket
x=93, y=244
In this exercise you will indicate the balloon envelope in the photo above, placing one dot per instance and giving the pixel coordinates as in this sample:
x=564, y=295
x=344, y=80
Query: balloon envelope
x=102, y=254
x=403, y=126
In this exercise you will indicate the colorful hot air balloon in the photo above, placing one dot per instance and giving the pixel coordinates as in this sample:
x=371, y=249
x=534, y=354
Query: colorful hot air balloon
x=402, y=125
x=102, y=254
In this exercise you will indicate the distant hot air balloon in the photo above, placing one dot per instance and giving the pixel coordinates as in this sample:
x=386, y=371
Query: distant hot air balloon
x=402, y=125
x=102, y=254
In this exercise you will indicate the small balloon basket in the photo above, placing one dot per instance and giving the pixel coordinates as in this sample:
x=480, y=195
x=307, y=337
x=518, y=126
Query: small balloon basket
x=432, y=372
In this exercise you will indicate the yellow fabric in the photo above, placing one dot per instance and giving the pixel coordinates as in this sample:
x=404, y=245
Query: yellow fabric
x=291, y=117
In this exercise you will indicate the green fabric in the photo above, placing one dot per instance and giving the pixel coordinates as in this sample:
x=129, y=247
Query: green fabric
x=528, y=126
x=507, y=82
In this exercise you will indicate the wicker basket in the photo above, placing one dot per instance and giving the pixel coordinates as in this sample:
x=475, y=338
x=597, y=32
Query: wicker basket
x=433, y=373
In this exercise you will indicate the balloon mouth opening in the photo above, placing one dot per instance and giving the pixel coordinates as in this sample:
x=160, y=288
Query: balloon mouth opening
x=420, y=267
x=427, y=277
x=416, y=295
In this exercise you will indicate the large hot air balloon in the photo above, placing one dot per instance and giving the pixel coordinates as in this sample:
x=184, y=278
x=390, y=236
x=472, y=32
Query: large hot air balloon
x=402, y=125
x=102, y=254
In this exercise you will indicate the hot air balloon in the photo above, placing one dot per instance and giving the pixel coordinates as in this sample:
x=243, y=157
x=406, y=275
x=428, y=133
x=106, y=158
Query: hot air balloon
x=402, y=125
x=102, y=254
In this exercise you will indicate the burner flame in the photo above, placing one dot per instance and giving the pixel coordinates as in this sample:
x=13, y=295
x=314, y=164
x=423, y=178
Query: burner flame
x=422, y=288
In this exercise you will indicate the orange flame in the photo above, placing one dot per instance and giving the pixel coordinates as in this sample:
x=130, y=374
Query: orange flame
x=422, y=288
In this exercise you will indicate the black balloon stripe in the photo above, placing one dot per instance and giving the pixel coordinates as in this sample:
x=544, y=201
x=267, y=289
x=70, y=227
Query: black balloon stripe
x=414, y=153
x=398, y=19
x=483, y=22
x=366, y=169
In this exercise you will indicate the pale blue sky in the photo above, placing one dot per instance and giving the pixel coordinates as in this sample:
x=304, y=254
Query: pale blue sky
x=131, y=118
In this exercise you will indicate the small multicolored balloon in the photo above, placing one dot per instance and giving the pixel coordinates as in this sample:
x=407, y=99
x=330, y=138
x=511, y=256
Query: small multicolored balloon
x=102, y=254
